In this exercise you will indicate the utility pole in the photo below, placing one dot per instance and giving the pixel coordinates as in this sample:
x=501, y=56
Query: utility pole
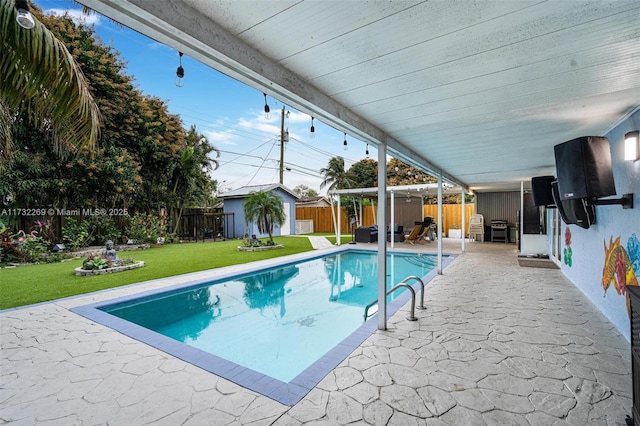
x=282, y=141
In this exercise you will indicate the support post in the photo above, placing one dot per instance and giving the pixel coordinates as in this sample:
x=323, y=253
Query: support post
x=382, y=237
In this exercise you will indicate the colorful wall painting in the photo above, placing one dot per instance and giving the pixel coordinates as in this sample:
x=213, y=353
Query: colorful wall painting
x=567, y=252
x=621, y=267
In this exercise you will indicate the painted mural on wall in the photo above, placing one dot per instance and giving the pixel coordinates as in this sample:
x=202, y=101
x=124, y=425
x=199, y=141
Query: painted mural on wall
x=621, y=267
x=567, y=252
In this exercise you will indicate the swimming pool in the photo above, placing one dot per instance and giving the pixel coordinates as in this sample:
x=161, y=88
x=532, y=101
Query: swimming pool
x=276, y=331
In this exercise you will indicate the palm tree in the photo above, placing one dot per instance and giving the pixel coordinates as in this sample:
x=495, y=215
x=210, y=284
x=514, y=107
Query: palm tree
x=335, y=175
x=266, y=209
x=40, y=80
x=191, y=180
x=337, y=178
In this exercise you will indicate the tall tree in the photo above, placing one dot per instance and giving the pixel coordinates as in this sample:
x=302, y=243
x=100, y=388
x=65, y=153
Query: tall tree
x=305, y=191
x=42, y=82
x=266, y=209
x=364, y=173
x=192, y=184
x=335, y=176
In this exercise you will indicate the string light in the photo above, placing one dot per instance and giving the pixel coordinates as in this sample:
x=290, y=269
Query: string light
x=267, y=110
x=180, y=73
x=346, y=145
x=312, y=130
x=367, y=151
x=24, y=17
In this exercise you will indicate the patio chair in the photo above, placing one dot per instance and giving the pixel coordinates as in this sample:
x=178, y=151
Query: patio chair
x=418, y=235
x=476, y=226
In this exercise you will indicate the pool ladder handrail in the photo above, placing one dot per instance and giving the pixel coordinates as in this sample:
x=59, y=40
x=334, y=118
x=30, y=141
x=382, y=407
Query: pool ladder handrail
x=403, y=283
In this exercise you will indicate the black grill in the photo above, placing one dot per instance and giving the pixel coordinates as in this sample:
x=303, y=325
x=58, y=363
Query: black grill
x=499, y=230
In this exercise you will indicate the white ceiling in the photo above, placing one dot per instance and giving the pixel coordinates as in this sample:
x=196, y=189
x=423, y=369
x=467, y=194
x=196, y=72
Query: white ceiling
x=479, y=91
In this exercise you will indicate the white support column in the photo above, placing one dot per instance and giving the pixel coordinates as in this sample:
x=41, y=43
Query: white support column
x=393, y=217
x=440, y=224
x=382, y=237
x=464, y=211
x=338, y=222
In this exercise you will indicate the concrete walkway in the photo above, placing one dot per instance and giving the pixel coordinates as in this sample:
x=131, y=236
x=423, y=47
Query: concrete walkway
x=319, y=243
x=498, y=344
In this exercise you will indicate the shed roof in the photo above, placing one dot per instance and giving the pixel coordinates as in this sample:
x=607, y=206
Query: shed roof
x=246, y=190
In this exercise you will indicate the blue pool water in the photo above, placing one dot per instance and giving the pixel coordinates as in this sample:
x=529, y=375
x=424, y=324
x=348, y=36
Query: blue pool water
x=277, y=331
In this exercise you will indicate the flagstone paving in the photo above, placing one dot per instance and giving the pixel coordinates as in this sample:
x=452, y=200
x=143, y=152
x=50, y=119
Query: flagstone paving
x=498, y=344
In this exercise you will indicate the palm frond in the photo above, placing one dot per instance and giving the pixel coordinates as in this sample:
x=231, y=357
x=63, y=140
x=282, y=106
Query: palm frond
x=41, y=79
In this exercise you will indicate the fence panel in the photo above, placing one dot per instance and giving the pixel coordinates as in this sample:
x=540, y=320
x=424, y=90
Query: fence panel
x=322, y=221
x=451, y=215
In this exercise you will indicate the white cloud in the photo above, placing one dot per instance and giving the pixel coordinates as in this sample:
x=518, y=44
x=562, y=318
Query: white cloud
x=226, y=137
x=77, y=16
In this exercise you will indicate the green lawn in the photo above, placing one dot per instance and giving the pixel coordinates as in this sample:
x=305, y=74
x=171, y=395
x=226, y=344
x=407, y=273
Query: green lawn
x=38, y=283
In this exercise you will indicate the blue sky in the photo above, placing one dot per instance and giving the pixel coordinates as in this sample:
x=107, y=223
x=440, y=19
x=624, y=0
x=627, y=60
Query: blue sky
x=229, y=113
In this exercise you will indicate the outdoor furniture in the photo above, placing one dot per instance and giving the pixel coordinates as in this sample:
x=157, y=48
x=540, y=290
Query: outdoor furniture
x=476, y=227
x=367, y=234
x=418, y=234
x=398, y=233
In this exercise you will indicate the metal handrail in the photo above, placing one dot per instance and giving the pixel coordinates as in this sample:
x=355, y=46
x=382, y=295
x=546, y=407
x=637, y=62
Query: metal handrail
x=403, y=283
x=415, y=277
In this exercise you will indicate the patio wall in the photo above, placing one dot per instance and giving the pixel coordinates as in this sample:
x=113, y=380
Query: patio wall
x=584, y=250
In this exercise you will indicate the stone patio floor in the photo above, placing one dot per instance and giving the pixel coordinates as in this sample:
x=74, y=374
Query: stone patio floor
x=498, y=344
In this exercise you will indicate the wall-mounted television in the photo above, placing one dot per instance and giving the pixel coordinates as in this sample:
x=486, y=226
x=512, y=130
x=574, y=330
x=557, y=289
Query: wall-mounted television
x=574, y=211
x=583, y=167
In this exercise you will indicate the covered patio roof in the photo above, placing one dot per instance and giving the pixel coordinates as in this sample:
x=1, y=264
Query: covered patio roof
x=413, y=191
x=478, y=92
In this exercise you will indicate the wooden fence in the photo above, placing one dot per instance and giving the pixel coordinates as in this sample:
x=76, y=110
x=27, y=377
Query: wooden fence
x=323, y=222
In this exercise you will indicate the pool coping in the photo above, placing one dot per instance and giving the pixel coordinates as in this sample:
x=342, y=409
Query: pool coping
x=287, y=393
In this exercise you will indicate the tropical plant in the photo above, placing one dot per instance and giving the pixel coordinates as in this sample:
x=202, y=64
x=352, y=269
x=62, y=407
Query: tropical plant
x=75, y=234
x=191, y=181
x=266, y=209
x=42, y=83
x=335, y=176
x=95, y=263
x=145, y=228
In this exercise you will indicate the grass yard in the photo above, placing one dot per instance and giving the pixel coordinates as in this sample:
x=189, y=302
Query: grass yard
x=43, y=282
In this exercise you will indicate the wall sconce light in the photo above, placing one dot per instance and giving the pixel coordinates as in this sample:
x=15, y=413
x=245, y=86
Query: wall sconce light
x=345, y=144
x=312, y=130
x=180, y=73
x=632, y=146
x=24, y=17
x=267, y=110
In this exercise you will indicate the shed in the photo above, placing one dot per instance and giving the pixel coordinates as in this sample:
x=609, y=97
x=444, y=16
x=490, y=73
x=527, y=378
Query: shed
x=234, y=200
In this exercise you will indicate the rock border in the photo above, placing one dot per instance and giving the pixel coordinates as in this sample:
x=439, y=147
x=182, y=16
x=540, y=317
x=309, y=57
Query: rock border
x=261, y=248
x=87, y=272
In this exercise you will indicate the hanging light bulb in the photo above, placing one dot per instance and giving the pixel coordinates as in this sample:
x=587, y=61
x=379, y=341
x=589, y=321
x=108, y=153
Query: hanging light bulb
x=267, y=110
x=346, y=145
x=180, y=73
x=312, y=130
x=367, y=151
x=24, y=17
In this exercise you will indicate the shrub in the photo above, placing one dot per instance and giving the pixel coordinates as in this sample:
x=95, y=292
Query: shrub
x=145, y=228
x=31, y=250
x=75, y=234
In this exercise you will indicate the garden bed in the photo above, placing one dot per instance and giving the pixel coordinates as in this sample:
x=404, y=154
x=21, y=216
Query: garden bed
x=260, y=248
x=114, y=269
